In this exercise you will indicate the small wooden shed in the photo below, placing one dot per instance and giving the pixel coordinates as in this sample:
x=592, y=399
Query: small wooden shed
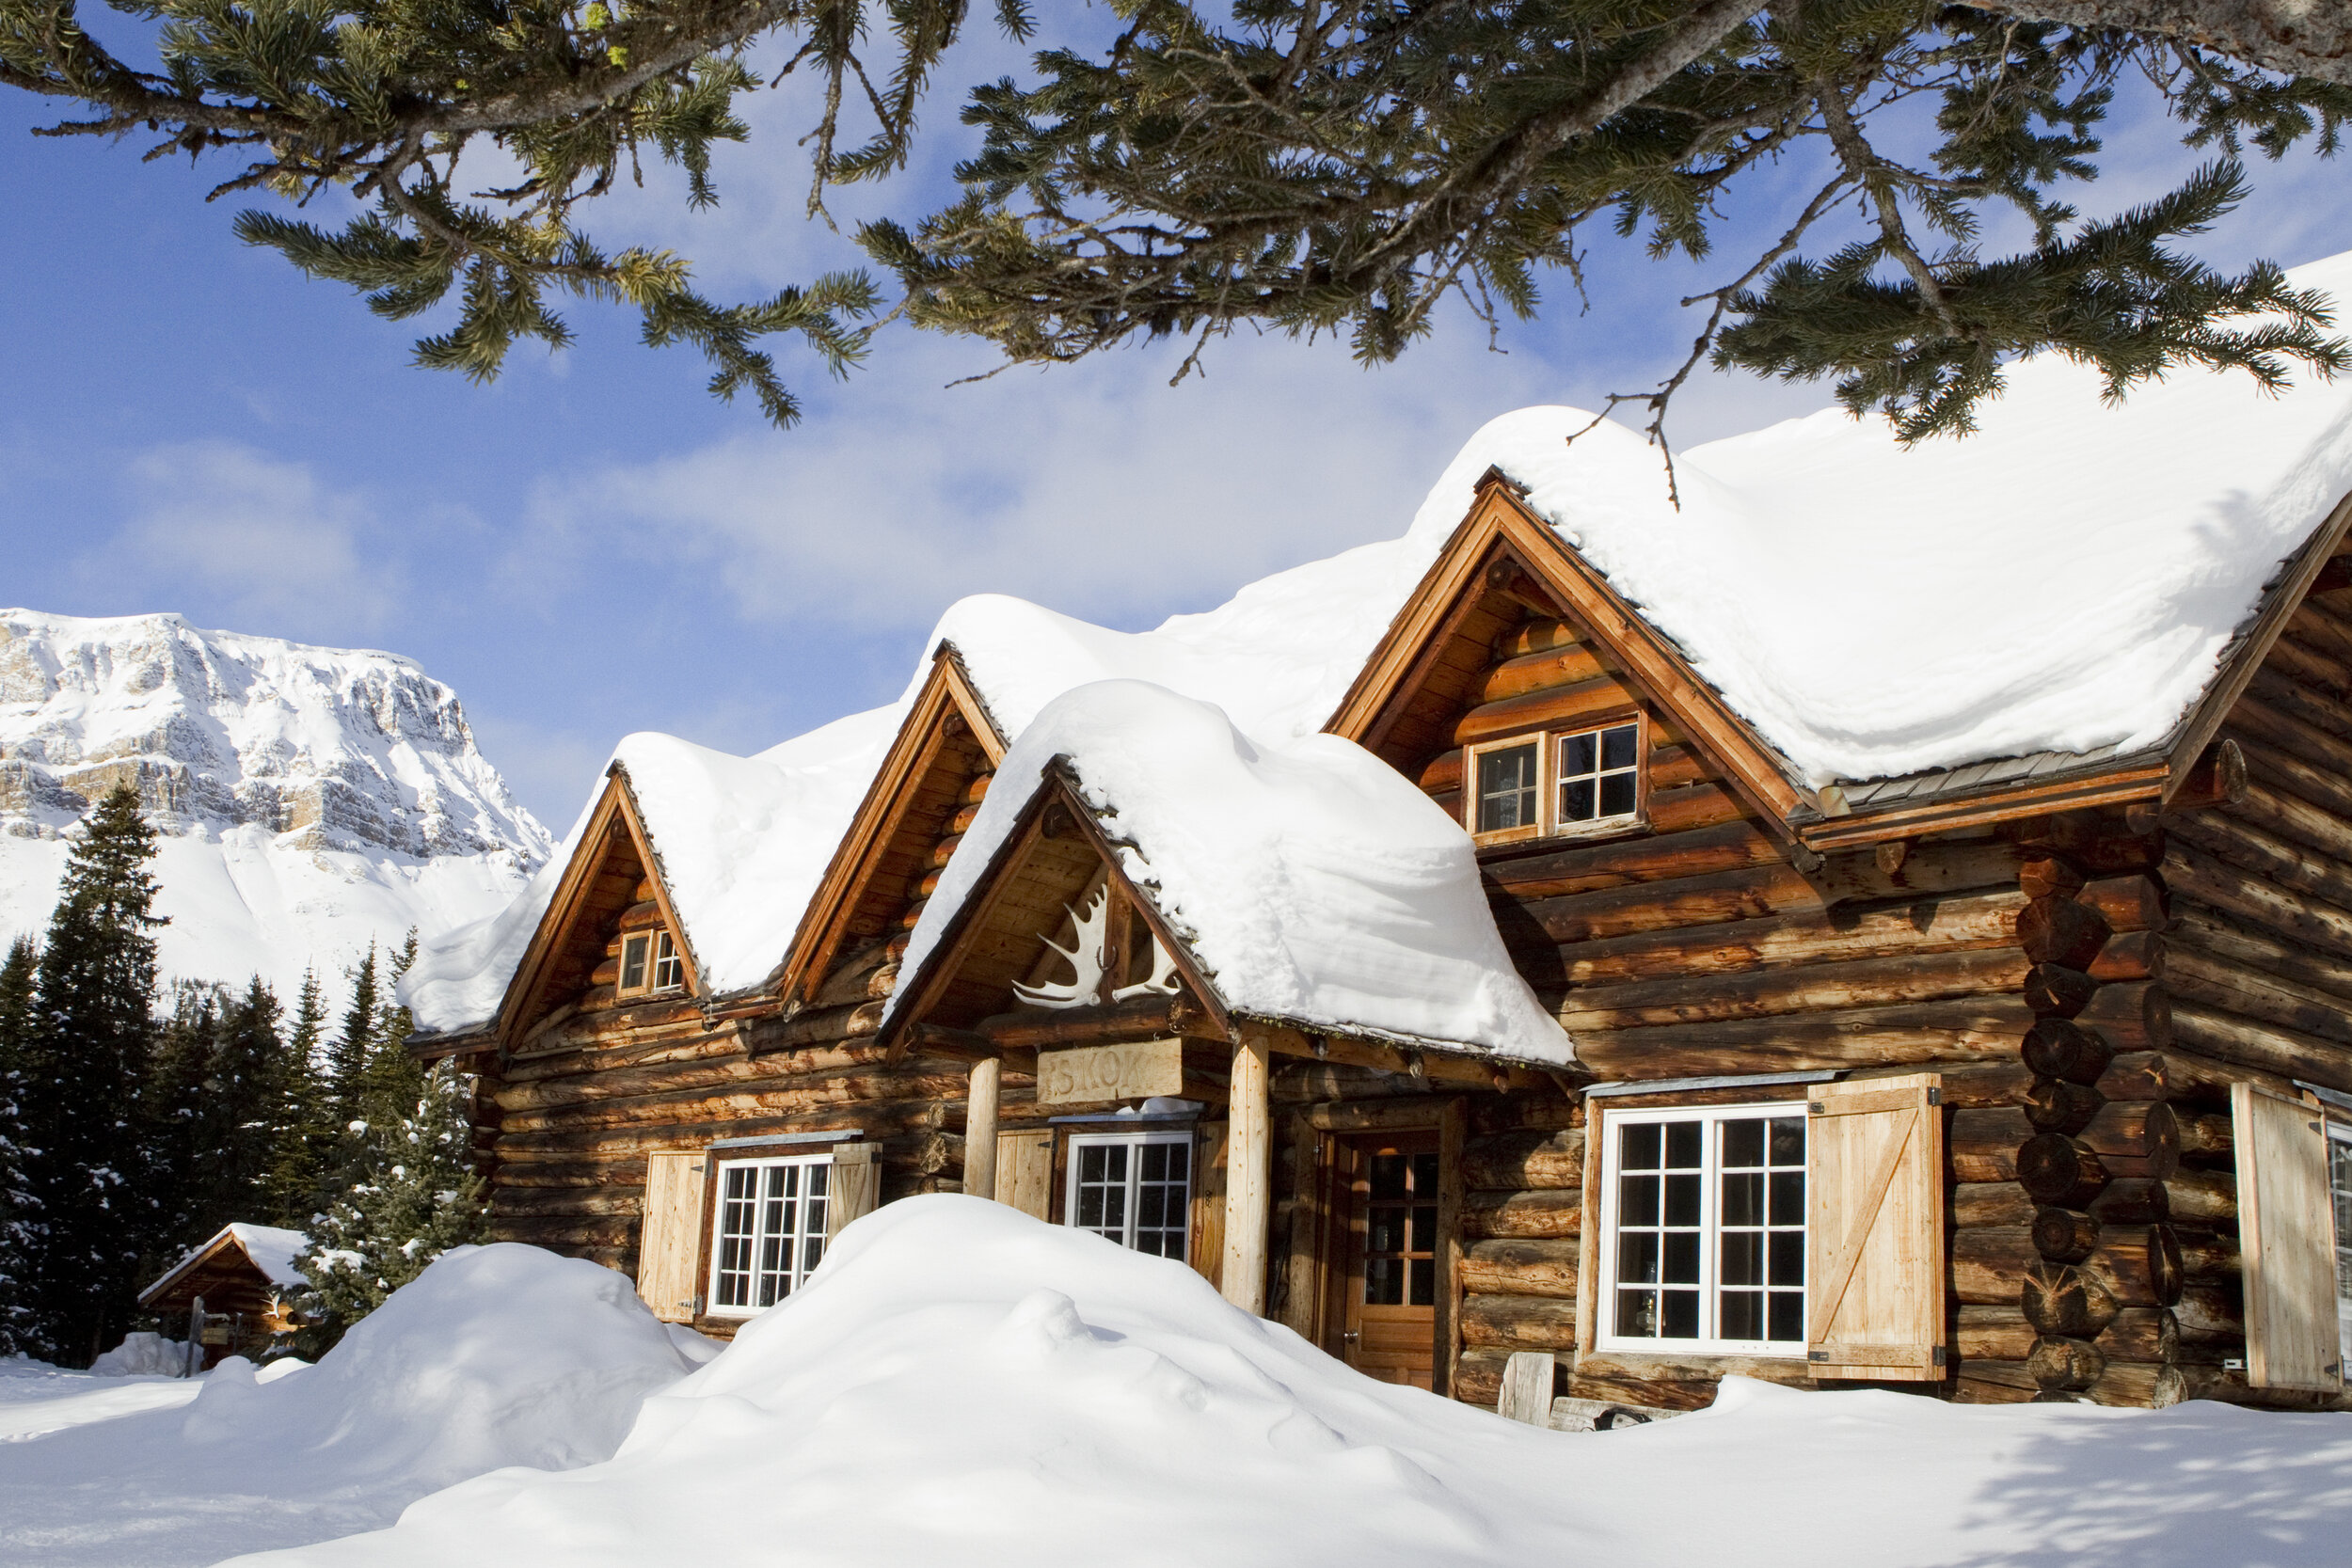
x=244, y=1275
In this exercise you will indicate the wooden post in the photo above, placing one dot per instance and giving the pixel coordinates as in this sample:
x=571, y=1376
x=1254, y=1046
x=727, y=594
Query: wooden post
x=1248, y=1168
x=1527, y=1387
x=195, y=1339
x=980, y=1128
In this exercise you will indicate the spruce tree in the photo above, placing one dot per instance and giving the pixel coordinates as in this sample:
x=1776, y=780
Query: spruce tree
x=176, y=1173
x=239, y=1113
x=347, y=1059
x=92, y=1040
x=305, y=1137
x=19, y=1211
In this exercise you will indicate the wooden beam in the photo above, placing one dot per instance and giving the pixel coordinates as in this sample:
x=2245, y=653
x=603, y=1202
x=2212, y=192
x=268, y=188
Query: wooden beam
x=980, y=1128
x=1249, y=1174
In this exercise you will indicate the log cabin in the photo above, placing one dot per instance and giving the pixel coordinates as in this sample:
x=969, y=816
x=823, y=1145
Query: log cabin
x=244, y=1278
x=1646, y=997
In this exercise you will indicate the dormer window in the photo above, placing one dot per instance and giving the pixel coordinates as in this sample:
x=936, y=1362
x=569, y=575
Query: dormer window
x=1557, y=782
x=650, y=964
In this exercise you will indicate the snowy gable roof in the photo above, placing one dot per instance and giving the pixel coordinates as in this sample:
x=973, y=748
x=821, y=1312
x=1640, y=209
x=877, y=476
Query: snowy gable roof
x=271, y=1249
x=1313, y=884
x=2064, y=579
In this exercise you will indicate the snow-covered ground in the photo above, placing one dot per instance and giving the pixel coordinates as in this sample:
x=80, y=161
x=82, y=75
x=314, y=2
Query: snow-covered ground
x=962, y=1385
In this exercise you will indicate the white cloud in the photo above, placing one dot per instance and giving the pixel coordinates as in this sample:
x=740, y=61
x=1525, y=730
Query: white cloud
x=236, y=535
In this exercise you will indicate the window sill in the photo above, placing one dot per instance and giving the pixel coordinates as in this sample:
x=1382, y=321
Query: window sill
x=1643, y=1366
x=1513, y=842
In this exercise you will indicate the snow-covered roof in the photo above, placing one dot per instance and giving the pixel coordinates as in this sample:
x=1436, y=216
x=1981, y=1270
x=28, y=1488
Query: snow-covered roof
x=272, y=1248
x=1314, y=883
x=2065, y=579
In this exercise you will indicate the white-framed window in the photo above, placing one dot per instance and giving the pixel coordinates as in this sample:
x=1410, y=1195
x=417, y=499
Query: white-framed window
x=1135, y=1188
x=650, y=963
x=768, y=1231
x=1555, y=782
x=1702, y=1229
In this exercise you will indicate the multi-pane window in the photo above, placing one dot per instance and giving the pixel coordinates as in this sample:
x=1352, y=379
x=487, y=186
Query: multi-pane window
x=669, y=968
x=1507, y=790
x=1599, y=770
x=635, y=952
x=1558, y=783
x=1702, y=1227
x=771, y=1230
x=2340, y=1190
x=1135, y=1188
x=1401, y=1231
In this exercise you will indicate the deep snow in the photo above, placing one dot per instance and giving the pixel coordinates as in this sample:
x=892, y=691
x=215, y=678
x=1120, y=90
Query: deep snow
x=493, y=1356
x=1314, y=882
x=961, y=1383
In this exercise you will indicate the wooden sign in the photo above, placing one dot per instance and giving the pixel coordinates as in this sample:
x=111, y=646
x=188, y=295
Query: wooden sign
x=1090, y=1073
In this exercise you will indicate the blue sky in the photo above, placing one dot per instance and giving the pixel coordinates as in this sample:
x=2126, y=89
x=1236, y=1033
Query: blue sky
x=593, y=546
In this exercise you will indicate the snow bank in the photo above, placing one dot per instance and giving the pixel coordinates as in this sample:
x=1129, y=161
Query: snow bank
x=1315, y=884
x=961, y=1383
x=494, y=1357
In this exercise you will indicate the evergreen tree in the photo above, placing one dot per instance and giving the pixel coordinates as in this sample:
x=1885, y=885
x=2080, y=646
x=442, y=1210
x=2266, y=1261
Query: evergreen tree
x=91, y=1041
x=175, y=1172
x=240, y=1114
x=305, y=1137
x=355, y=1047
x=19, y=1211
x=394, y=1077
x=414, y=1196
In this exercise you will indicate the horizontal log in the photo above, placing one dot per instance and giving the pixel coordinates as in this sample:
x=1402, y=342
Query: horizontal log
x=2132, y=1200
x=2059, y=1170
x=1730, y=845
x=1528, y=1160
x=567, y=1056
x=2303, y=651
x=2278, y=767
x=2132, y=903
x=713, y=1075
x=1672, y=1382
x=1976, y=1205
x=1810, y=988
x=1521, y=1268
x=1982, y=1145
x=2202, y=1197
x=2212, y=1312
x=2002, y=1334
x=1976, y=1381
x=874, y=1119
x=2265, y=731
x=2060, y=1048
x=2055, y=992
x=1976, y=1029
x=1967, y=1086
x=2270, y=1047
x=1140, y=1018
x=2284, y=912
x=2129, y=955
x=2062, y=1365
x=566, y=1232
x=2137, y=1386
x=1534, y=1111
x=2135, y=1266
x=941, y=853
x=2207, y=1136
x=915, y=1079
x=2208, y=930
x=2290, y=819
x=2059, y=930
x=1518, y=1323
x=1545, y=708
x=2055, y=1105
x=2041, y=874
x=508, y=1202
x=1692, y=808
x=606, y=973
x=2230, y=985
x=1571, y=664
x=1537, y=636
x=2207, y=1254
x=1555, y=1212
x=1933, y=869
x=1945, y=925
x=641, y=916
x=1718, y=899
x=2135, y=1016
x=2250, y=846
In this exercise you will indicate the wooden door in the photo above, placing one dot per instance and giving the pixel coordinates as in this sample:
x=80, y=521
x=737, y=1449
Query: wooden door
x=1389, y=1285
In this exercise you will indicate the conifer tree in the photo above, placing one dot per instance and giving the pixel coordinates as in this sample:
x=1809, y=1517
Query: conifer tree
x=19, y=1211
x=91, y=1041
x=348, y=1058
x=175, y=1175
x=305, y=1137
x=239, y=1116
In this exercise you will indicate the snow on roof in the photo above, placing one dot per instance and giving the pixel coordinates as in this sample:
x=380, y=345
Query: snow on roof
x=2063, y=579
x=1313, y=883
x=272, y=1248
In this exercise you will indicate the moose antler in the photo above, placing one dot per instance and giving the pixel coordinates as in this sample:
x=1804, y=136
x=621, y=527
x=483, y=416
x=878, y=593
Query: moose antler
x=1086, y=954
x=1163, y=979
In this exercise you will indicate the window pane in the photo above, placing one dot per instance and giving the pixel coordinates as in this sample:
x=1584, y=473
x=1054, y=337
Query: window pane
x=1388, y=1176
x=1424, y=1174
x=1743, y=1144
x=1743, y=1199
x=1576, y=754
x=1639, y=1146
x=1424, y=1236
x=1788, y=1316
x=1682, y=1199
x=1637, y=1257
x=1384, y=1281
x=1683, y=1140
x=1743, y=1264
x=1506, y=788
x=1679, y=1311
x=1637, y=1200
x=1617, y=746
x=1424, y=1283
x=1616, y=795
x=1576, y=800
x=1681, y=1265
x=1788, y=1141
x=1637, y=1314
x=1743, y=1314
x=1788, y=1258
x=632, y=962
x=1787, y=1197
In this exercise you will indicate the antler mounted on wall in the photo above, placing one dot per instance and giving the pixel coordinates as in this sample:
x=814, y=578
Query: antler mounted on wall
x=1088, y=956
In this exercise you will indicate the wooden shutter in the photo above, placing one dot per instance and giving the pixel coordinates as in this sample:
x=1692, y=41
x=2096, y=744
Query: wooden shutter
x=670, y=1236
x=1874, y=1229
x=856, y=1185
x=2286, y=1241
x=1024, y=1171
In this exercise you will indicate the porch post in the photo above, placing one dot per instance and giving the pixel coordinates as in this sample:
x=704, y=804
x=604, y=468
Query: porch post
x=980, y=1128
x=1249, y=1167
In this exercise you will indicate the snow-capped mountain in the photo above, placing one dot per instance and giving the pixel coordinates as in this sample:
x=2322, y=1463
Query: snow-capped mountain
x=311, y=799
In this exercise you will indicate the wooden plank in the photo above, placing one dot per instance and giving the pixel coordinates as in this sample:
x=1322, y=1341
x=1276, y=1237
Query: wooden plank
x=2286, y=1237
x=856, y=1185
x=1024, y=1170
x=979, y=1127
x=1874, y=1186
x=1247, y=1175
x=1132, y=1069
x=1527, y=1379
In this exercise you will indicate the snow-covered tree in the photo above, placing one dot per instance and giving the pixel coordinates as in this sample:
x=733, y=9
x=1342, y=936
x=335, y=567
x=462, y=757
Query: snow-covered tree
x=305, y=1138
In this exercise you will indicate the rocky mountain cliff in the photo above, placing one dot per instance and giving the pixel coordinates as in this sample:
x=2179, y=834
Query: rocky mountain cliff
x=311, y=800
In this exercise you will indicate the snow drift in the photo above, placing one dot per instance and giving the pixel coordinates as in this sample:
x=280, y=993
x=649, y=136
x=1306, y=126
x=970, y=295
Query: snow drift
x=960, y=1383
x=498, y=1356
x=1315, y=882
